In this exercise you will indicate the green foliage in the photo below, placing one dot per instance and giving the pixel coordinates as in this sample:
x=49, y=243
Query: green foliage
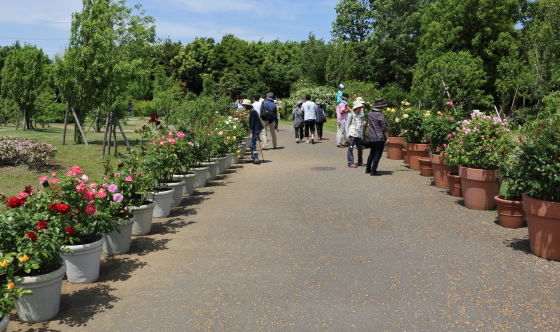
x=393, y=116
x=539, y=160
x=440, y=128
x=324, y=95
x=144, y=108
x=413, y=123
x=482, y=142
x=354, y=20
x=8, y=292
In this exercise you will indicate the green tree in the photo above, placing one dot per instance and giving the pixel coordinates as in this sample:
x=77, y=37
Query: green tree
x=354, y=20
x=23, y=77
x=109, y=47
x=313, y=57
x=192, y=62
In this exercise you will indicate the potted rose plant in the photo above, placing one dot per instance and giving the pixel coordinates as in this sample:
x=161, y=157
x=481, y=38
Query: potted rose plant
x=510, y=207
x=479, y=147
x=439, y=129
x=413, y=125
x=30, y=261
x=394, y=127
x=538, y=170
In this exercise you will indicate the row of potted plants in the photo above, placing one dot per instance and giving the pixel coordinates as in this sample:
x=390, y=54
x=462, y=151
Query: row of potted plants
x=476, y=156
x=62, y=227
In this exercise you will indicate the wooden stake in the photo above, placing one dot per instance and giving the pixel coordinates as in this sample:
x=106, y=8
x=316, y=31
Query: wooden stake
x=105, y=135
x=110, y=132
x=65, y=125
x=115, y=134
x=122, y=131
x=79, y=127
x=17, y=122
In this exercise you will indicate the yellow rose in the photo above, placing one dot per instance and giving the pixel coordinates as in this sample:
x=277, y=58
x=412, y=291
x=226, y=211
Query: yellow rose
x=4, y=263
x=228, y=137
x=397, y=120
x=238, y=151
x=24, y=258
x=405, y=115
x=234, y=137
x=11, y=285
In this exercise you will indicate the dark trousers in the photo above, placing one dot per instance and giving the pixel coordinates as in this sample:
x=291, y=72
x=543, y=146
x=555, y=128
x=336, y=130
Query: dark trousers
x=358, y=142
x=375, y=152
x=309, y=126
x=299, y=132
x=319, y=126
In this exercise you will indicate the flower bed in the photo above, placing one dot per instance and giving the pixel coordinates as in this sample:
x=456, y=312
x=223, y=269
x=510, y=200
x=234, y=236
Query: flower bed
x=17, y=151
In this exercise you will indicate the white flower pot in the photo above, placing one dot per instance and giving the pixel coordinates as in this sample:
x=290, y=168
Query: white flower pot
x=201, y=173
x=221, y=164
x=235, y=159
x=143, y=215
x=82, y=266
x=190, y=182
x=178, y=186
x=4, y=323
x=229, y=158
x=163, y=202
x=43, y=302
x=243, y=147
x=119, y=243
x=212, y=170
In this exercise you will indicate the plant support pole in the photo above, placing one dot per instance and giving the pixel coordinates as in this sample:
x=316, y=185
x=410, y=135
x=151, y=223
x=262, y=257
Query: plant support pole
x=65, y=125
x=79, y=127
x=105, y=136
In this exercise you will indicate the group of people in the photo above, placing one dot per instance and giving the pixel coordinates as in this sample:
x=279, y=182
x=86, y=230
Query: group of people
x=308, y=116
x=351, y=131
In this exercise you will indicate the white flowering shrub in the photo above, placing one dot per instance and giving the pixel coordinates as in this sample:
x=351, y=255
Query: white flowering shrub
x=16, y=151
x=322, y=94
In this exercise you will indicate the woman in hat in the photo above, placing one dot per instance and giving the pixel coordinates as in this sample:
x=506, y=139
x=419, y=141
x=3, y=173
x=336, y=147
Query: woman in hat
x=353, y=133
x=298, y=121
x=378, y=136
x=255, y=128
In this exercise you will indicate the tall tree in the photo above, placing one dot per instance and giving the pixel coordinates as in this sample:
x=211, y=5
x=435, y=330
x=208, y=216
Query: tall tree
x=109, y=47
x=314, y=54
x=23, y=77
x=354, y=20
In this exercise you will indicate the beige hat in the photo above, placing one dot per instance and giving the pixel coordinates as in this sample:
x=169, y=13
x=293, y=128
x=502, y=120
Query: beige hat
x=360, y=99
x=357, y=104
x=246, y=102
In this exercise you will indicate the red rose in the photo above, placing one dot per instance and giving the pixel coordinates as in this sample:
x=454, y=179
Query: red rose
x=53, y=207
x=90, y=209
x=62, y=208
x=42, y=225
x=70, y=231
x=32, y=236
x=158, y=123
x=14, y=202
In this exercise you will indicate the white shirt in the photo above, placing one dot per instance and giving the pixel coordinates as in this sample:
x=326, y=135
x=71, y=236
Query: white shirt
x=309, y=109
x=257, y=106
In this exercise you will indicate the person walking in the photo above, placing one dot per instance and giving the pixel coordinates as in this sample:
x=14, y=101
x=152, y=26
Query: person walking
x=297, y=114
x=320, y=119
x=342, y=111
x=269, y=117
x=354, y=132
x=255, y=128
x=378, y=136
x=257, y=104
x=309, y=115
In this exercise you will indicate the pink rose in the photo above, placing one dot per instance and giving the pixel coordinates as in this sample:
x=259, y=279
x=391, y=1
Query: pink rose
x=70, y=173
x=113, y=188
x=117, y=174
x=53, y=174
x=449, y=103
x=170, y=133
x=23, y=194
x=90, y=209
x=77, y=169
x=180, y=134
x=81, y=188
x=161, y=142
x=129, y=179
x=93, y=185
x=220, y=133
x=171, y=140
x=90, y=195
x=43, y=179
x=85, y=178
x=118, y=198
x=102, y=193
x=190, y=144
x=53, y=181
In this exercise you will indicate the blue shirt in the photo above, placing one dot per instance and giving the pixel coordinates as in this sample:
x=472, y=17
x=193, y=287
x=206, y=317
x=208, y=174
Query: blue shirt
x=339, y=96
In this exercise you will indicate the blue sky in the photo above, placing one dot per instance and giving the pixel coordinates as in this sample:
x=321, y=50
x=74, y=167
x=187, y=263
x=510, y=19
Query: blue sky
x=46, y=23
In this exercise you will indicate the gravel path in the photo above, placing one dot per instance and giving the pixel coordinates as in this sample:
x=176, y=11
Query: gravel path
x=284, y=247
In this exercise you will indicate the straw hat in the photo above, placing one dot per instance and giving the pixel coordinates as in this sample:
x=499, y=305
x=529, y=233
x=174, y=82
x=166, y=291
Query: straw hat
x=246, y=102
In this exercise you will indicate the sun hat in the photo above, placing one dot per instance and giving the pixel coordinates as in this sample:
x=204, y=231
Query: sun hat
x=246, y=102
x=357, y=104
x=380, y=103
x=341, y=86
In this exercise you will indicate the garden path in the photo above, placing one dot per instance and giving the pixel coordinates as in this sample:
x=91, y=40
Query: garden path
x=285, y=247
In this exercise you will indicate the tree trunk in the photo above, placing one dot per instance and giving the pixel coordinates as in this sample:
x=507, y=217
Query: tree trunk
x=18, y=114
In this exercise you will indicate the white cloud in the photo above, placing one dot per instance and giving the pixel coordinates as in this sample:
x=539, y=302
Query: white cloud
x=51, y=13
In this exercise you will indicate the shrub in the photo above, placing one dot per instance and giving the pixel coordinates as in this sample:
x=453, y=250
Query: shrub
x=144, y=108
x=16, y=151
x=322, y=94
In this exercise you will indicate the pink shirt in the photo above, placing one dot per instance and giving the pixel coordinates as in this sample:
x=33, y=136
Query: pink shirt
x=341, y=117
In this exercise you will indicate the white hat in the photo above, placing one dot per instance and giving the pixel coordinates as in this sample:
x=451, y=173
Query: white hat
x=357, y=104
x=341, y=86
x=246, y=102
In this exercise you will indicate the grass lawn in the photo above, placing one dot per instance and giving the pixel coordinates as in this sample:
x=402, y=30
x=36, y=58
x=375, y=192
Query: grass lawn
x=14, y=179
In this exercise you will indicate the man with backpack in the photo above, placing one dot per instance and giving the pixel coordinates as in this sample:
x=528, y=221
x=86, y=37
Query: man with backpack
x=320, y=119
x=269, y=117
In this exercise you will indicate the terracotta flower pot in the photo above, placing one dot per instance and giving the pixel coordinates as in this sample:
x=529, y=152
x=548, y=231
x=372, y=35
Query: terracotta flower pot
x=440, y=171
x=543, y=223
x=415, y=151
x=405, y=156
x=510, y=213
x=425, y=166
x=455, y=188
x=479, y=187
x=395, y=148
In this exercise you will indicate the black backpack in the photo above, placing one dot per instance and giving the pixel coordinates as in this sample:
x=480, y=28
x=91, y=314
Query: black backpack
x=267, y=115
